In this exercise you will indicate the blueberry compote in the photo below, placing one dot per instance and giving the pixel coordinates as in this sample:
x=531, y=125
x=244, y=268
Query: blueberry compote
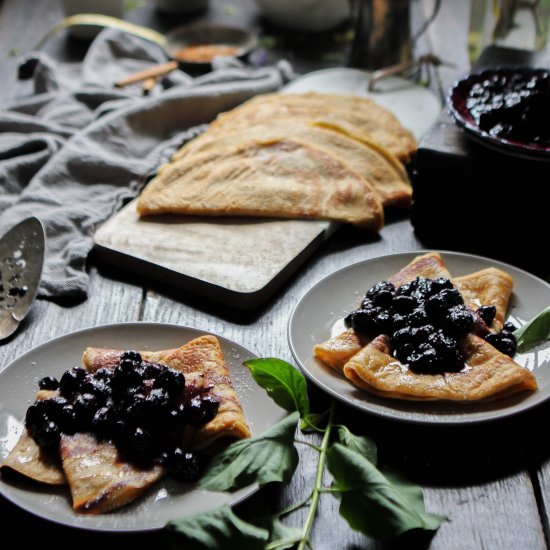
x=426, y=320
x=513, y=106
x=141, y=407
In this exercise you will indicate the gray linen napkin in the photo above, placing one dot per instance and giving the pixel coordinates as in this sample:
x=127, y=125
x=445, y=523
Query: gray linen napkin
x=76, y=149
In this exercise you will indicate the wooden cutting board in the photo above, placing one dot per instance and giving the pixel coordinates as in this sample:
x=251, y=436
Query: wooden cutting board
x=236, y=261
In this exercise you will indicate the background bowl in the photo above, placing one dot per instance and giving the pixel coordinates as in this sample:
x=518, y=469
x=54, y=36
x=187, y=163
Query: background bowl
x=457, y=104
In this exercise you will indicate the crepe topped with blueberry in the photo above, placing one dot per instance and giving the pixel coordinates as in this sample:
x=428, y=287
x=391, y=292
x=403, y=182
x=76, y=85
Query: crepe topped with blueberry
x=424, y=336
x=112, y=429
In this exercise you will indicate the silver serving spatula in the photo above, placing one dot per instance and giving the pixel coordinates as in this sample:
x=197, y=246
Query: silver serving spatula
x=21, y=259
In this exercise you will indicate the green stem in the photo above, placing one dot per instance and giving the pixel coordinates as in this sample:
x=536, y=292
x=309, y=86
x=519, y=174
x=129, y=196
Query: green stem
x=304, y=541
x=295, y=507
x=318, y=449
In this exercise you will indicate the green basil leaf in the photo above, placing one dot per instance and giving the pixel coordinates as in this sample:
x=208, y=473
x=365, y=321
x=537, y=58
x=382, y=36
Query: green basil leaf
x=372, y=503
x=535, y=330
x=363, y=445
x=283, y=536
x=282, y=382
x=268, y=457
x=217, y=529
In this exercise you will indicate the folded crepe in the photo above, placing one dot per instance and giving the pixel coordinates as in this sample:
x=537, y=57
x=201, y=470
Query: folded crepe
x=355, y=116
x=28, y=459
x=283, y=178
x=488, y=374
x=378, y=166
x=99, y=481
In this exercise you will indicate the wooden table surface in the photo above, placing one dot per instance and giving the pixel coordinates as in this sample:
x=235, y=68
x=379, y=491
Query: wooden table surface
x=492, y=481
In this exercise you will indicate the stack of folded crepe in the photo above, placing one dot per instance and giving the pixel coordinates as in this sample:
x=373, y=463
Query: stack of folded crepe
x=305, y=156
x=99, y=480
x=488, y=374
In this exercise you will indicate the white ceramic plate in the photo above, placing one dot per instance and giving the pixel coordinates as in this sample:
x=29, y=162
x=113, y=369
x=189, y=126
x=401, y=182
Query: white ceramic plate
x=167, y=499
x=416, y=107
x=332, y=298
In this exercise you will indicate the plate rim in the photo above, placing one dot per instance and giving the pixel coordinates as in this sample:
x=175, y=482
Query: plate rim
x=409, y=419
x=234, y=498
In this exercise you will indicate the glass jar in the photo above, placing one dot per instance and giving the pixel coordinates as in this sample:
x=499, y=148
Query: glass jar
x=520, y=24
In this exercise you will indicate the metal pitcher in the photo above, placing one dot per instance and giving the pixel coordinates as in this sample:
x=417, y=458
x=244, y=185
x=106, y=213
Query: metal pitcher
x=382, y=33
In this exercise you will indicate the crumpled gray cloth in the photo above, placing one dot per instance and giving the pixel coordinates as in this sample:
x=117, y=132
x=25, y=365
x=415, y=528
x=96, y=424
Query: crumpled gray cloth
x=76, y=149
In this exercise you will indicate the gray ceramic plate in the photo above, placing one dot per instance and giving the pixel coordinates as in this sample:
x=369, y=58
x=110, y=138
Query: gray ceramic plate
x=165, y=500
x=316, y=315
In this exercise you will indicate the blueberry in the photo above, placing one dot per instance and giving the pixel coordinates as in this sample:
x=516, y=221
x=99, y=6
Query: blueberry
x=175, y=417
x=150, y=371
x=425, y=362
x=348, y=320
x=382, y=286
x=441, y=283
x=36, y=418
x=138, y=407
x=418, y=317
x=60, y=411
x=422, y=288
x=402, y=352
x=85, y=407
x=172, y=381
x=71, y=380
x=54, y=406
x=138, y=444
x=487, y=313
x=383, y=323
x=127, y=366
x=443, y=344
x=404, y=304
x=124, y=379
x=103, y=374
x=99, y=388
x=426, y=346
x=452, y=297
x=436, y=307
x=406, y=289
x=131, y=356
x=48, y=383
x=48, y=436
x=158, y=401
x=201, y=410
x=505, y=343
x=509, y=327
x=102, y=422
x=398, y=321
x=421, y=334
x=402, y=336
x=364, y=320
x=459, y=320
x=182, y=466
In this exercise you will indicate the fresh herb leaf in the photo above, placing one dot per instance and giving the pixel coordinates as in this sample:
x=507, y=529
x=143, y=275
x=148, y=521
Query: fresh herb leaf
x=268, y=457
x=363, y=445
x=217, y=529
x=535, y=330
x=282, y=382
x=372, y=503
x=283, y=536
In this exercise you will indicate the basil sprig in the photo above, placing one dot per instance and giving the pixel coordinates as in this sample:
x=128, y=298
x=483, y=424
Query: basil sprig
x=378, y=504
x=534, y=331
